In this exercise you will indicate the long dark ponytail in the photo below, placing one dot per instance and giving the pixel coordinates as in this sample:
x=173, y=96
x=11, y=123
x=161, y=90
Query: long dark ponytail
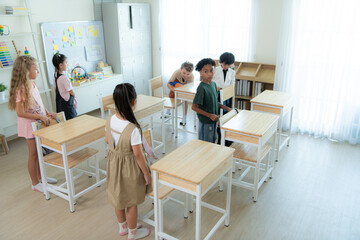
x=124, y=94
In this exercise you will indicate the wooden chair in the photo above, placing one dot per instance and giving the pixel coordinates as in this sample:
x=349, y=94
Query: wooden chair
x=245, y=155
x=55, y=159
x=104, y=102
x=225, y=94
x=164, y=191
x=156, y=90
x=4, y=143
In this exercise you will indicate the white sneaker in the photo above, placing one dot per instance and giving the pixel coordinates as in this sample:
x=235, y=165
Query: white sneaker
x=38, y=187
x=51, y=180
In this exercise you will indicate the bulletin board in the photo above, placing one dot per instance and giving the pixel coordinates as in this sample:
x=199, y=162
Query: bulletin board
x=81, y=42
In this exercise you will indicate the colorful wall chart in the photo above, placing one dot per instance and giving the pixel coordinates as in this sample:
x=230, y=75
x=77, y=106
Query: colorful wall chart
x=5, y=55
x=81, y=42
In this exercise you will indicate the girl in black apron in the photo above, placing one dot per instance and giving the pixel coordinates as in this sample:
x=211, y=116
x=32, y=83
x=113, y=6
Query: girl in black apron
x=68, y=107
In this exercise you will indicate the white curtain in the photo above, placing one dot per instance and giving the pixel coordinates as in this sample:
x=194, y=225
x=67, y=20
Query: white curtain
x=195, y=29
x=318, y=62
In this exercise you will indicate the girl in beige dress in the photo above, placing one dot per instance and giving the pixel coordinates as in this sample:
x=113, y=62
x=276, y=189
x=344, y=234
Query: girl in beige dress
x=128, y=174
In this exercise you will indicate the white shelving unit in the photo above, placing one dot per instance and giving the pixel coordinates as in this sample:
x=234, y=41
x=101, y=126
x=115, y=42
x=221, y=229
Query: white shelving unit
x=31, y=34
x=34, y=35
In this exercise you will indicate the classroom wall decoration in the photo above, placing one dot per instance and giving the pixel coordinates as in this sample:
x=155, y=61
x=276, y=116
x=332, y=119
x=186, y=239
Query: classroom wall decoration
x=81, y=42
x=8, y=53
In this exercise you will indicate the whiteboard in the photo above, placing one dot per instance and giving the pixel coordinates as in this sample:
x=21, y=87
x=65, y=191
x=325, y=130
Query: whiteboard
x=81, y=42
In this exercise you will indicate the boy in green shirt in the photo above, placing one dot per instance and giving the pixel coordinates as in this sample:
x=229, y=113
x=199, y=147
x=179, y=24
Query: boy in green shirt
x=206, y=102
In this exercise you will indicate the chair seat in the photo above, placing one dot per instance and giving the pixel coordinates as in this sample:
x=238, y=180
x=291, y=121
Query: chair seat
x=249, y=153
x=73, y=159
x=170, y=102
x=163, y=191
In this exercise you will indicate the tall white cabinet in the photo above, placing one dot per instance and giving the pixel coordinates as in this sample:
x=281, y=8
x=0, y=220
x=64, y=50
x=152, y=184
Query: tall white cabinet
x=127, y=32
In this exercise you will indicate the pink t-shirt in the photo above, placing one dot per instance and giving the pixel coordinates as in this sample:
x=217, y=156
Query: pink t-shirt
x=24, y=124
x=64, y=86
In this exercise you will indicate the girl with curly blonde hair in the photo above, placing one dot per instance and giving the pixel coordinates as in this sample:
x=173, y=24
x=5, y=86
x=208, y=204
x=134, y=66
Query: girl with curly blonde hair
x=25, y=99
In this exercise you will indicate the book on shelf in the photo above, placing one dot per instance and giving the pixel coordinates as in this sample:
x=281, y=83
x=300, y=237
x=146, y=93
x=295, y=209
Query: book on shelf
x=243, y=104
x=258, y=88
x=243, y=88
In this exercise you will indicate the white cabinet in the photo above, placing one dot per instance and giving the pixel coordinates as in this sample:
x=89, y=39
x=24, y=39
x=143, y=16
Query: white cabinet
x=127, y=32
x=89, y=94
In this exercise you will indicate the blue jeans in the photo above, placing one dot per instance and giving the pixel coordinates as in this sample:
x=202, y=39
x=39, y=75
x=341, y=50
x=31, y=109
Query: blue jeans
x=207, y=131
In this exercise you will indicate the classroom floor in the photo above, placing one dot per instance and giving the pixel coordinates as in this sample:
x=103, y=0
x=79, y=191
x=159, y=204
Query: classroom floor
x=314, y=194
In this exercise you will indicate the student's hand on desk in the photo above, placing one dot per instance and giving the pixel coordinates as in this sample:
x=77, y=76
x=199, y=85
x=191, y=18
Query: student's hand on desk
x=45, y=120
x=52, y=115
x=147, y=179
x=214, y=117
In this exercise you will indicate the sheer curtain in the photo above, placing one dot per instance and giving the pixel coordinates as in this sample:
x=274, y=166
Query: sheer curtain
x=318, y=63
x=195, y=29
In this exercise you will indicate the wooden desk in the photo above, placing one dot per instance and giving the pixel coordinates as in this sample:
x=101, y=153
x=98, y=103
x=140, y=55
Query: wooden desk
x=193, y=168
x=278, y=103
x=67, y=138
x=147, y=106
x=186, y=93
x=253, y=129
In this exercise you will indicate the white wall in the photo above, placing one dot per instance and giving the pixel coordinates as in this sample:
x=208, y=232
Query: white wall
x=43, y=11
x=268, y=30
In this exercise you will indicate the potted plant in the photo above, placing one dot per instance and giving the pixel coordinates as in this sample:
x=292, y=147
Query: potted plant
x=2, y=91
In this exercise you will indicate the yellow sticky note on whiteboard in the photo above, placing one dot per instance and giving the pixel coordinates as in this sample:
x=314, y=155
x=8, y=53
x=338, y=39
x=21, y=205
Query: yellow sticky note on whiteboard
x=64, y=39
x=56, y=47
x=71, y=29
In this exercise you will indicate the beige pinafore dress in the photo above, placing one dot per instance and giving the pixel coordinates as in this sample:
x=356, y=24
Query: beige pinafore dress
x=125, y=180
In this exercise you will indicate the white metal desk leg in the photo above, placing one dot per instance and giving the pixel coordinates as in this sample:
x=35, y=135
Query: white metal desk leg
x=257, y=172
x=279, y=137
x=228, y=198
x=156, y=204
x=222, y=141
x=97, y=172
x=186, y=206
x=176, y=116
x=198, y=213
x=273, y=154
x=68, y=178
x=191, y=203
x=161, y=216
x=291, y=115
x=172, y=120
x=42, y=167
x=163, y=129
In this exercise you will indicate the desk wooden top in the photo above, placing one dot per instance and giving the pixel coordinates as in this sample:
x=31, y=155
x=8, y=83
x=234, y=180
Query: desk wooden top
x=143, y=102
x=193, y=161
x=273, y=98
x=188, y=88
x=66, y=131
x=251, y=123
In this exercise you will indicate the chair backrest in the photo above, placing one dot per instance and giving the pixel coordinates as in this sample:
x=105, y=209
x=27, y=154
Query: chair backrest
x=105, y=101
x=156, y=87
x=224, y=119
x=60, y=116
x=225, y=94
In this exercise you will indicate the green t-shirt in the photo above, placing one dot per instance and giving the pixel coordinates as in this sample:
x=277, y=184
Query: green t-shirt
x=206, y=99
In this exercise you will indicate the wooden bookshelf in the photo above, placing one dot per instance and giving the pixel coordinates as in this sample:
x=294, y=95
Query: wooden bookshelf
x=252, y=79
x=260, y=77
